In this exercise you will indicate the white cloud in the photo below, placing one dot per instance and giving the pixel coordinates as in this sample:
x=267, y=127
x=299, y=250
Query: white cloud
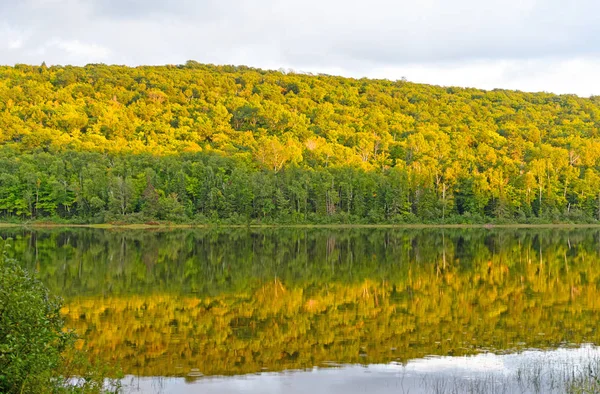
x=75, y=48
x=15, y=44
x=10, y=38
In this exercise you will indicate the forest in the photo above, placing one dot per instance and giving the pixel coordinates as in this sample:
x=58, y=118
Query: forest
x=200, y=143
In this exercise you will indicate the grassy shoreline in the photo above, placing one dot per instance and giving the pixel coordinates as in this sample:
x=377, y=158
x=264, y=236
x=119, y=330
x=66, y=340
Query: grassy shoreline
x=166, y=226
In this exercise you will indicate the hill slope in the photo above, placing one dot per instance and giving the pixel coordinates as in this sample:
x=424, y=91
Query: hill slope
x=232, y=143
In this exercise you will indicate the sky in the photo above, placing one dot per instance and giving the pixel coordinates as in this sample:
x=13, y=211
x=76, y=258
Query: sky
x=528, y=45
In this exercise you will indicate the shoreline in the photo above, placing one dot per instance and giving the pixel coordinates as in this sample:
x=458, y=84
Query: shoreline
x=166, y=226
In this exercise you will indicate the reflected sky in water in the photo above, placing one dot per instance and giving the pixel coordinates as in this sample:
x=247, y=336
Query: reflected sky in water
x=524, y=372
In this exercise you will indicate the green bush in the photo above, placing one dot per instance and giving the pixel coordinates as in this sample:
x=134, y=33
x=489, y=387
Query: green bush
x=31, y=331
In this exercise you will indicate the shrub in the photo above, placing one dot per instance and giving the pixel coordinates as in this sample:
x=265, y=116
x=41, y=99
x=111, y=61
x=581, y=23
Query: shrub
x=31, y=331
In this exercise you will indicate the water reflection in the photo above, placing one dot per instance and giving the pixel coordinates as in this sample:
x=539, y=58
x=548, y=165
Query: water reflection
x=556, y=371
x=195, y=303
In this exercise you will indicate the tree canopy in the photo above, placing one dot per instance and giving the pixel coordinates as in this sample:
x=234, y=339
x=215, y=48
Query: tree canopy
x=203, y=142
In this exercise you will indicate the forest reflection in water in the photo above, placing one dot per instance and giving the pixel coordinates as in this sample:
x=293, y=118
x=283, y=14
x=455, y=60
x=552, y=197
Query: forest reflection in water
x=201, y=302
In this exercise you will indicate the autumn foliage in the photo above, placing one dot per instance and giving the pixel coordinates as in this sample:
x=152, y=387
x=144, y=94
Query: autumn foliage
x=221, y=143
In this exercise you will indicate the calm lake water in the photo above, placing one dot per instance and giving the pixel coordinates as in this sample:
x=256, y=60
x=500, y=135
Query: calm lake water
x=331, y=311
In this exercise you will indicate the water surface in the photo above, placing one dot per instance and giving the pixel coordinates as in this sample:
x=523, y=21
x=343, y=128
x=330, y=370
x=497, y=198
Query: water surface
x=531, y=371
x=220, y=306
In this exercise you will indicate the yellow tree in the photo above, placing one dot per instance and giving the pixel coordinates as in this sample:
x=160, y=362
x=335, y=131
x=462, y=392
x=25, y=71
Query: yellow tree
x=274, y=154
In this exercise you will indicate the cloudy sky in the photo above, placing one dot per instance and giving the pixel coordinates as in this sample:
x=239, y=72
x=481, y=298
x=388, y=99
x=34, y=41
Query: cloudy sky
x=530, y=45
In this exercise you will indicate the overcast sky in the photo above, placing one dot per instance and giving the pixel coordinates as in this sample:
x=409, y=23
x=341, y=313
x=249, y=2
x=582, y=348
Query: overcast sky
x=543, y=45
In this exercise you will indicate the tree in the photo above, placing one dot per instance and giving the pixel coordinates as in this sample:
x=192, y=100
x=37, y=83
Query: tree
x=121, y=195
x=274, y=154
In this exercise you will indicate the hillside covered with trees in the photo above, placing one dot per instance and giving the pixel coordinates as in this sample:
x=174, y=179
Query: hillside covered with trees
x=202, y=143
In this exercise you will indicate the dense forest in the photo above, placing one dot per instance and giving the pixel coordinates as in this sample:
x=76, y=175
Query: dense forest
x=201, y=143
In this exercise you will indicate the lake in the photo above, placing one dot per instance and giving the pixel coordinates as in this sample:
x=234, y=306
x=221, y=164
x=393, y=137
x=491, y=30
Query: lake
x=329, y=310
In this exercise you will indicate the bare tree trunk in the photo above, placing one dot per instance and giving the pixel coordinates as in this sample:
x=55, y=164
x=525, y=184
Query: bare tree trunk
x=444, y=201
x=599, y=205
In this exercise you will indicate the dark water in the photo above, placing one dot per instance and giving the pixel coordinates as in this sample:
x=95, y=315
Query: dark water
x=215, y=307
